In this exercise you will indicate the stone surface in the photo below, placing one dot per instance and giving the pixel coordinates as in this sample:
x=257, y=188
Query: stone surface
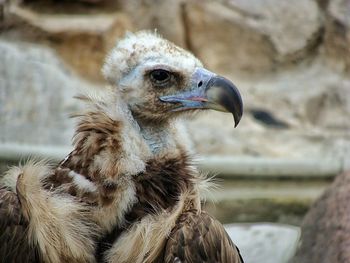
x=337, y=34
x=252, y=35
x=36, y=93
x=84, y=33
x=82, y=40
x=325, y=229
x=165, y=16
x=266, y=243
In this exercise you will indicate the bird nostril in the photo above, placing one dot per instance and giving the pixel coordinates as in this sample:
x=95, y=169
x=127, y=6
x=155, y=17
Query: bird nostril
x=200, y=84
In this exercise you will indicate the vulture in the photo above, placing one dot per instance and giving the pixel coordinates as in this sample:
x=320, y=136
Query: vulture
x=128, y=191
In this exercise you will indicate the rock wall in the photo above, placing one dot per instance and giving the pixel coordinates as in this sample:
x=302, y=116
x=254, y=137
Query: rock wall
x=289, y=59
x=36, y=95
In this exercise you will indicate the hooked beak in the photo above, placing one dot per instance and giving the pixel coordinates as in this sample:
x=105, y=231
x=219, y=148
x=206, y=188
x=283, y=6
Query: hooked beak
x=208, y=91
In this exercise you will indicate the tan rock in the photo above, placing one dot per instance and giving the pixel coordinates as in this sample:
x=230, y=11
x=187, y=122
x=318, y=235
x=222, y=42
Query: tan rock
x=81, y=40
x=251, y=35
x=164, y=16
x=337, y=34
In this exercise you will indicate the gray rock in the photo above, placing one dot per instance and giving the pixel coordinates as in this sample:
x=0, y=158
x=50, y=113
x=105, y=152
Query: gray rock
x=164, y=16
x=263, y=242
x=252, y=35
x=36, y=93
x=325, y=229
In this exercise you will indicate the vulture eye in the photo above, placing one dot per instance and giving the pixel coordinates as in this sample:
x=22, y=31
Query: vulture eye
x=160, y=76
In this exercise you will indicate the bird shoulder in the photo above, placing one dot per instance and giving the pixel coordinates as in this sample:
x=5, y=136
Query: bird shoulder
x=197, y=237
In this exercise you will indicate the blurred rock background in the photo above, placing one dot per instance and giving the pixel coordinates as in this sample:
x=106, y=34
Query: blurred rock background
x=290, y=60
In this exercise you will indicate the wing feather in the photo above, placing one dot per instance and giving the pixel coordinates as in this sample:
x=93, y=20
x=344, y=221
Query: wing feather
x=14, y=246
x=200, y=238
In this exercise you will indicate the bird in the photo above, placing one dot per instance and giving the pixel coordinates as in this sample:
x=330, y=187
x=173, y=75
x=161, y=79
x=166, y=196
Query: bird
x=129, y=191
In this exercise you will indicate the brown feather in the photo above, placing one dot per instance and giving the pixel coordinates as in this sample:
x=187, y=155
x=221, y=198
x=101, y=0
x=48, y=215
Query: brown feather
x=14, y=245
x=157, y=189
x=96, y=134
x=198, y=237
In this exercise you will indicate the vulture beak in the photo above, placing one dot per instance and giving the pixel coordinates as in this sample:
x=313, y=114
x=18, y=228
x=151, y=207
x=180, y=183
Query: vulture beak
x=208, y=91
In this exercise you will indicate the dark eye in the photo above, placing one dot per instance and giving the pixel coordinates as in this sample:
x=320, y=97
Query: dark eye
x=160, y=76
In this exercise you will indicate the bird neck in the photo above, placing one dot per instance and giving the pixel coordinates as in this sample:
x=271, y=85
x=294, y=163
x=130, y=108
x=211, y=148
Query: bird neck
x=160, y=137
x=112, y=143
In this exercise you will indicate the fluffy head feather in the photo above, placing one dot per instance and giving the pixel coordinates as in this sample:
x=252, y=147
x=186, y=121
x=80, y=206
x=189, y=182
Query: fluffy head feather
x=145, y=47
x=159, y=80
x=129, y=66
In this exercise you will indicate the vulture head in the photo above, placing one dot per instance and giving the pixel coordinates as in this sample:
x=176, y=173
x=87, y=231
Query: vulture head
x=159, y=81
